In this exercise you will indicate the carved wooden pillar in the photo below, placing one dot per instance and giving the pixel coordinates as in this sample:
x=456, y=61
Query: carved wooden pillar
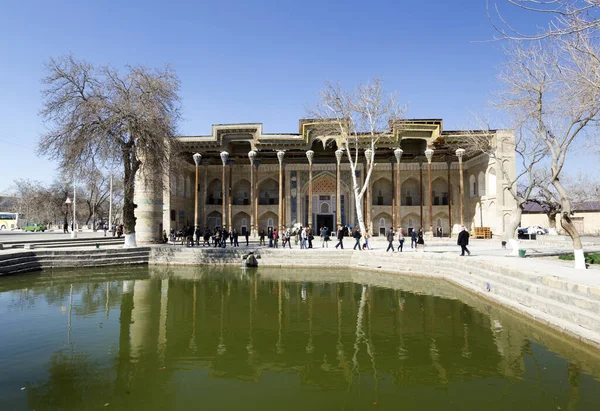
x=256, y=194
x=398, y=154
x=421, y=190
x=429, y=155
x=224, y=157
x=460, y=153
x=449, y=163
x=253, y=204
x=230, y=197
x=280, y=155
x=197, y=157
x=309, y=155
x=205, y=196
x=338, y=187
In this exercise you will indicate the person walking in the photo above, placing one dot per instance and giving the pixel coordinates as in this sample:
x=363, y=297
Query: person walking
x=323, y=235
x=275, y=238
x=400, y=240
x=420, y=239
x=261, y=237
x=105, y=228
x=270, y=235
x=302, y=238
x=367, y=236
x=463, y=241
x=247, y=235
x=390, y=238
x=309, y=236
x=287, y=236
x=340, y=237
x=413, y=239
x=235, y=236
x=356, y=234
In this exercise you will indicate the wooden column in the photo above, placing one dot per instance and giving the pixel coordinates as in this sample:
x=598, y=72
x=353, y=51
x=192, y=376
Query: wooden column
x=230, y=197
x=280, y=156
x=197, y=158
x=398, y=154
x=429, y=155
x=421, y=191
x=256, y=193
x=449, y=163
x=253, y=204
x=338, y=188
x=224, y=157
x=309, y=155
x=460, y=153
x=205, y=196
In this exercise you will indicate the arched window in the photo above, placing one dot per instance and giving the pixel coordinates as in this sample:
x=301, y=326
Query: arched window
x=382, y=222
x=410, y=222
x=472, y=186
x=439, y=222
x=324, y=208
x=270, y=222
x=491, y=187
x=481, y=183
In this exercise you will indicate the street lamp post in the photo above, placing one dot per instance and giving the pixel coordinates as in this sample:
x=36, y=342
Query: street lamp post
x=74, y=231
x=68, y=202
x=197, y=157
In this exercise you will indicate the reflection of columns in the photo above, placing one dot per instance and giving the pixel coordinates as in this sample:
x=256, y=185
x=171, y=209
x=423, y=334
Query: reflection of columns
x=460, y=153
x=309, y=156
x=162, y=324
x=338, y=188
x=224, y=157
x=449, y=163
x=368, y=217
x=141, y=317
x=280, y=155
x=429, y=155
x=230, y=196
x=197, y=158
x=398, y=154
x=253, y=205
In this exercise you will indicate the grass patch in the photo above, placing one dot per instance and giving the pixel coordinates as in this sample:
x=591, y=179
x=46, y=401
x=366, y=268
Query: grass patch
x=590, y=258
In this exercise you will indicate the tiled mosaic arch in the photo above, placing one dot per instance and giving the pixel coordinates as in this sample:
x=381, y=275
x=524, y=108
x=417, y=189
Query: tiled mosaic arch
x=324, y=184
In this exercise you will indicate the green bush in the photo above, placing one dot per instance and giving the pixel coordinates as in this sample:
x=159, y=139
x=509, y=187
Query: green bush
x=593, y=258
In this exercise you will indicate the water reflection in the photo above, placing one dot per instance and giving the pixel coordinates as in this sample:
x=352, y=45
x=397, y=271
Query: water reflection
x=359, y=339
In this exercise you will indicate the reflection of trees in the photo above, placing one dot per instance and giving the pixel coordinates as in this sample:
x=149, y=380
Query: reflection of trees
x=74, y=382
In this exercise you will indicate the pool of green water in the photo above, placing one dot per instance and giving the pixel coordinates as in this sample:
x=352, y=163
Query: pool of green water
x=285, y=339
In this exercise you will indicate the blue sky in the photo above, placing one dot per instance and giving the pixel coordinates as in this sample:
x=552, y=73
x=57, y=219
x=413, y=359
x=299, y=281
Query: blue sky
x=251, y=61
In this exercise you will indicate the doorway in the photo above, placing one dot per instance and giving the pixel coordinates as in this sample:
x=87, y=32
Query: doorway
x=324, y=220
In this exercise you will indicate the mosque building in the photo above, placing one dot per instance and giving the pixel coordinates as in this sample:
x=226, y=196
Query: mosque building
x=249, y=180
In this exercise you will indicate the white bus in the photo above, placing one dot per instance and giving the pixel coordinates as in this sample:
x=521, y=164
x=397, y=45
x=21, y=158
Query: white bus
x=9, y=221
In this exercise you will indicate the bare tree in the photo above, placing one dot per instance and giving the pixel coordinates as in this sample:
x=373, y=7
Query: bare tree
x=564, y=18
x=357, y=121
x=529, y=153
x=547, y=90
x=100, y=117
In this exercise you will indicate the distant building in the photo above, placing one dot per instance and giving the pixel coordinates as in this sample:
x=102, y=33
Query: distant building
x=586, y=217
x=404, y=192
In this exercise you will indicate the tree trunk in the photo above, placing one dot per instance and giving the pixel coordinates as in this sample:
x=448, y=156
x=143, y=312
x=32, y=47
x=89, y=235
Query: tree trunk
x=511, y=231
x=552, y=223
x=568, y=226
x=128, y=204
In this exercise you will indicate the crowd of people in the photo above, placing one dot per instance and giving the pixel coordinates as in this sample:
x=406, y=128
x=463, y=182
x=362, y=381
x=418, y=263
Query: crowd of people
x=302, y=237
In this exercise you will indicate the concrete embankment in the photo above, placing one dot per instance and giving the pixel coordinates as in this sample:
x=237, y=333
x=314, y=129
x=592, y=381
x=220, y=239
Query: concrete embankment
x=560, y=298
x=27, y=261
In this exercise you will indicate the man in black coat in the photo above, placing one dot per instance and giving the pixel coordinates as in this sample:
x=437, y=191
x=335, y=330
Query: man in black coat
x=357, y=236
x=390, y=238
x=463, y=241
x=340, y=237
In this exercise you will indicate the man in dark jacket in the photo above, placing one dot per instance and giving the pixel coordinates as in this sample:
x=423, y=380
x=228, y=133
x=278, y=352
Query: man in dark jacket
x=390, y=238
x=463, y=241
x=356, y=234
x=340, y=237
x=413, y=239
